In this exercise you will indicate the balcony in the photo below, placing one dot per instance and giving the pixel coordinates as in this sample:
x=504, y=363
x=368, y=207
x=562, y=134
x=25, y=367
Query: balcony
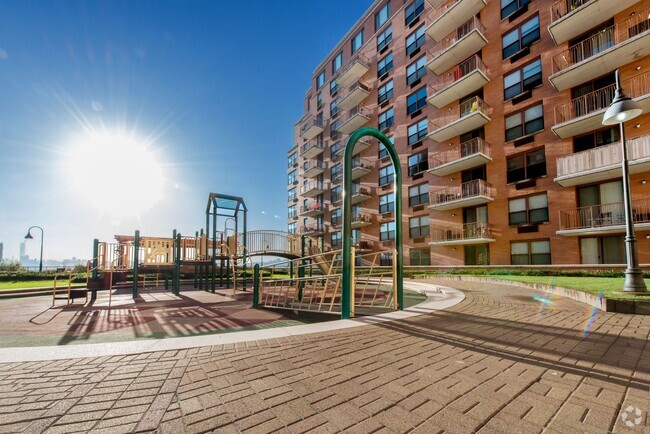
x=354, y=119
x=435, y=3
x=359, y=194
x=312, y=127
x=462, y=235
x=311, y=149
x=603, y=163
x=477, y=192
x=355, y=94
x=312, y=209
x=457, y=46
x=585, y=113
x=451, y=15
x=460, y=119
x=312, y=230
x=312, y=189
x=360, y=220
x=361, y=245
x=472, y=153
x=356, y=69
x=468, y=77
x=604, y=219
x=615, y=46
x=571, y=18
x=360, y=167
x=312, y=168
x=360, y=146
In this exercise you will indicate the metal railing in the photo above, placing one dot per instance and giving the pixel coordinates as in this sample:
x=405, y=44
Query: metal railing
x=309, y=145
x=606, y=38
x=466, y=108
x=604, y=215
x=312, y=229
x=356, y=57
x=357, y=190
x=471, y=147
x=355, y=111
x=313, y=205
x=564, y=7
x=463, y=30
x=312, y=121
x=361, y=217
x=603, y=156
x=466, y=190
x=313, y=185
x=362, y=163
x=470, y=65
x=357, y=85
x=467, y=231
x=312, y=164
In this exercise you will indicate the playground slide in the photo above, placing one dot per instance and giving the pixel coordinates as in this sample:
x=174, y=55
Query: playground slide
x=320, y=260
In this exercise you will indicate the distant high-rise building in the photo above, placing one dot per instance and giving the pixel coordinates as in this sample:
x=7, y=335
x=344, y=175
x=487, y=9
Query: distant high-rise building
x=1, y=251
x=22, y=250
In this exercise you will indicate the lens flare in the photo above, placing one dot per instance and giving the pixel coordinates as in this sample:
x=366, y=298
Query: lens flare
x=591, y=316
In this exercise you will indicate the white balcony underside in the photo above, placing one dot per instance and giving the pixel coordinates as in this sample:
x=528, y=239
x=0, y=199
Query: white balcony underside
x=462, y=242
x=603, y=173
x=459, y=89
x=357, y=225
x=311, y=132
x=585, y=17
x=352, y=74
x=313, y=212
x=463, y=163
x=457, y=53
x=313, y=192
x=358, y=172
x=354, y=123
x=461, y=203
x=353, y=98
x=606, y=61
x=312, y=152
x=358, y=198
x=460, y=126
x=602, y=230
x=314, y=171
x=453, y=18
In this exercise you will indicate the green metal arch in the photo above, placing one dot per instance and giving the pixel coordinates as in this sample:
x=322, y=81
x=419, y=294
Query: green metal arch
x=347, y=209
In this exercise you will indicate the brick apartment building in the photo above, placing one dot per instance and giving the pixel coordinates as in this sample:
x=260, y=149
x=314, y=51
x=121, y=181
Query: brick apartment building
x=495, y=109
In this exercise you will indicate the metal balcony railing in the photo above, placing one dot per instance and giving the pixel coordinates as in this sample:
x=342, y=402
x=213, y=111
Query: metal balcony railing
x=313, y=185
x=463, y=30
x=604, y=215
x=361, y=217
x=467, y=190
x=309, y=145
x=356, y=57
x=310, y=165
x=355, y=111
x=467, y=231
x=357, y=190
x=564, y=7
x=470, y=65
x=357, y=85
x=466, y=149
x=312, y=121
x=311, y=229
x=312, y=206
x=362, y=163
x=466, y=108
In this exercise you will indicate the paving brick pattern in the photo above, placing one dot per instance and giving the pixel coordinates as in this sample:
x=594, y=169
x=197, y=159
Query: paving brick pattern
x=495, y=363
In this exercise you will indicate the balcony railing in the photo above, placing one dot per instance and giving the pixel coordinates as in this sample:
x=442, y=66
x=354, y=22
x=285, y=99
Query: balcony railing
x=457, y=120
x=362, y=163
x=467, y=231
x=466, y=149
x=313, y=185
x=312, y=229
x=358, y=65
x=467, y=190
x=603, y=156
x=312, y=145
x=312, y=127
x=472, y=64
x=357, y=190
x=606, y=38
x=604, y=215
x=354, y=119
x=354, y=94
x=466, y=108
x=450, y=15
x=563, y=7
x=463, y=30
x=361, y=218
x=312, y=165
x=313, y=207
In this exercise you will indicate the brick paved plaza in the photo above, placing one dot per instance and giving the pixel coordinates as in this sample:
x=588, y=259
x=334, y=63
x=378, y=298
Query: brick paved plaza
x=498, y=362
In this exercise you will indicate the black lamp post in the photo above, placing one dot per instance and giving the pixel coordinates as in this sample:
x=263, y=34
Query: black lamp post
x=622, y=109
x=30, y=237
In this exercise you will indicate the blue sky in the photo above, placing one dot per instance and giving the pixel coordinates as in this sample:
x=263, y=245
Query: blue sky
x=210, y=89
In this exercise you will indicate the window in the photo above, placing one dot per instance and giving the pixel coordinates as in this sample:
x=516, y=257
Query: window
x=387, y=203
x=386, y=119
x=418, y=163
x=383, y=152
x=292, y=194
x=386, y=259
x=596, y=138
x=416, y=70
x=385, y=92
x=336, y=194
x=336, y=217
x=336, y=147
x=292, y=228
x=415, y=40
x=337, y=62
x=416, y=100
x=334, y=87
x=530, y=252
x=521, y=37
x=420, y=256
x=336, y=239
x=417, y=131
x=419, y=226
x=387, y=231
x=334, y=110
x=384, y=38
x=526, y=166
x=319, y=101
x=291, y=178
x=385, y=65
x=386, y=175
x=357, y=41
x=528, y=210
x=524, y=123
x=292, y=211
x=419, y=195
x=320, y=81
x=522, y=79
x=382, y=16
x=413, y=11
x=334, y=129
x=508, y=7
x=337, y=172
x=292, y=160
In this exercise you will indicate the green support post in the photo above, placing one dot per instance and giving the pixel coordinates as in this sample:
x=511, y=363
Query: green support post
x=94, y=273
x=136, y=260
x=213, y=266
x=245, y=252
x=177, y=289
x=196, y=267
x=166, y=282
x=256, y=285
x=347, y=221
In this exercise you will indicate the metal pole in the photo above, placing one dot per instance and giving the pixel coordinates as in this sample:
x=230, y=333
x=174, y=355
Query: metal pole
x=40, y=263
x=256, y=285
x=352, y=287
x=136, y=251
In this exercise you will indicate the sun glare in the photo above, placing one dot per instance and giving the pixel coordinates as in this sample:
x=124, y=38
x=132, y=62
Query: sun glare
x=119, y=176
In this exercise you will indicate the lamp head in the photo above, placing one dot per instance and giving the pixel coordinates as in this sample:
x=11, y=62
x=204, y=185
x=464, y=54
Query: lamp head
x=29, y=236
x=623, y=108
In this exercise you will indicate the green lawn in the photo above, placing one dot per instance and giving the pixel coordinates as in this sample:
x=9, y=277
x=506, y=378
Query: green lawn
x=61, y=283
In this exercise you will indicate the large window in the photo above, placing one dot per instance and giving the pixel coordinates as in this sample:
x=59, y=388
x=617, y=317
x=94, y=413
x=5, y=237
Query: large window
x=337, y=62
x=319, y=100
x=530, y=252
x=595, y=139
x=418, y=163
x=291, y=211
x=320, y=81
x=291, y=178
x=386, y=175
x=292, y=228
x=413, y=11
x=334, y=109
x=385, y=65
x=386, y=119
x=521, y=37
x=528, y=165
x=528, y=210
x=336, y=147
x=419, y=195
x=415, y=40
x=525, y=122
x=387, y=231
x=334, y=87
x=336, y=172
x=385, y=92
x=336, y=239
x=416, y=70
x=357, y=41
x=416, y=100
x=508, y=7
x=384, y=38
x=419, y=226
x=336, y=217
x=386, y=259
x=387, y=203
x=292, y=194
x=337, y=194
x=420, y=256
x=292, y=160
x=334, y=129
x=417, y=131
x=383, y=152
x=522, y=79
x=382, y=16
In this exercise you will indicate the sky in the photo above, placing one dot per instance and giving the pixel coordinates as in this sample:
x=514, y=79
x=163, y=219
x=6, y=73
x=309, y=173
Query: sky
x=122, y=115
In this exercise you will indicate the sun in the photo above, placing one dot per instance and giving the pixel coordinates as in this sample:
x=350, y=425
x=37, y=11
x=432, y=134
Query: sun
x=117, y=175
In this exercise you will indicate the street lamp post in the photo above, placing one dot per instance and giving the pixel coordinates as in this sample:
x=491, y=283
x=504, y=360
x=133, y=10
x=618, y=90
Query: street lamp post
x=623, y=109
x=30, y=237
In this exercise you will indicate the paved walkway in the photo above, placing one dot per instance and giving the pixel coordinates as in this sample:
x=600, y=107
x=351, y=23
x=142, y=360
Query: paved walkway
x=500, y=361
